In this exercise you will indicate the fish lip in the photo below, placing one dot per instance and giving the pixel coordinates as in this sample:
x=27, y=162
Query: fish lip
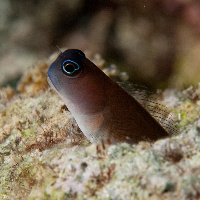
x=51, y=84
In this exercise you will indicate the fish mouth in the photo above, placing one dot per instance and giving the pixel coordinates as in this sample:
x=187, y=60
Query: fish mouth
x=51, y=84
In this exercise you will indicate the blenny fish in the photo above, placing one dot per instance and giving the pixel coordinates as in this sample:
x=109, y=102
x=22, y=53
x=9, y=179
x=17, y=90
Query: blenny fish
x=103, y=110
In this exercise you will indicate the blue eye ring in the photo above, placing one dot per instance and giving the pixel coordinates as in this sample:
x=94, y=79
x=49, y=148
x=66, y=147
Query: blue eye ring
x=70, y=67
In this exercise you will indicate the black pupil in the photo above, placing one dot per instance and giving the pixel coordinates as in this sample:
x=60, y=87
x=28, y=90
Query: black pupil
x=69, y=67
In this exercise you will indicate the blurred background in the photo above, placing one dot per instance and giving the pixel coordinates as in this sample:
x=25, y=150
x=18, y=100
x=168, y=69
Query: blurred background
x=157, y=42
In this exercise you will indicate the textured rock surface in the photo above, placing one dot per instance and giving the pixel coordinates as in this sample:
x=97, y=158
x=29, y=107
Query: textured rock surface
x=44, y=156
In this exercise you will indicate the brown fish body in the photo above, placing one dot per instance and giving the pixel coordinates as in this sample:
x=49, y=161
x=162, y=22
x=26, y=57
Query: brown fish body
x=125, y=120
x=102, y=109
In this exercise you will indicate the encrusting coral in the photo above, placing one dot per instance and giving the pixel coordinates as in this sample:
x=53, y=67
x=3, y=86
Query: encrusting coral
x=45, y=156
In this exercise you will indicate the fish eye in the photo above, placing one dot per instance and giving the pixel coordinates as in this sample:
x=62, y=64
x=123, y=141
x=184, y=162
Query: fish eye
x=70, y=68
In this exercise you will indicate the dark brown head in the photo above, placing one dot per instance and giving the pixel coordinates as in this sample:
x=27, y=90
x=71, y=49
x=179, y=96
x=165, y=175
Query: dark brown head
x=78, y=81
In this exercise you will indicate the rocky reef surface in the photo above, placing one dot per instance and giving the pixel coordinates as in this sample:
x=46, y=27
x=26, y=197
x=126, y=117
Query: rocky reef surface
x=45, y=156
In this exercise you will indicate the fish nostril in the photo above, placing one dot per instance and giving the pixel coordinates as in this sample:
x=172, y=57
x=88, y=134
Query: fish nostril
x=80, y=52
